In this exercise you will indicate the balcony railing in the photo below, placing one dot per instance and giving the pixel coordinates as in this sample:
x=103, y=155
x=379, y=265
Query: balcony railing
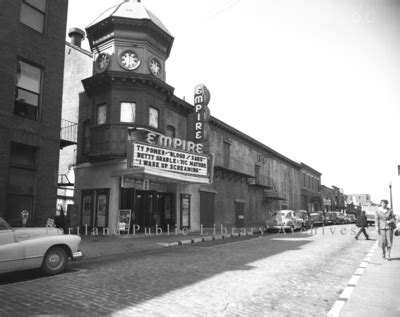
x=68, y=133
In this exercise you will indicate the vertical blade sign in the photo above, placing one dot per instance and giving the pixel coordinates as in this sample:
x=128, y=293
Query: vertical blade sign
x=202, y=112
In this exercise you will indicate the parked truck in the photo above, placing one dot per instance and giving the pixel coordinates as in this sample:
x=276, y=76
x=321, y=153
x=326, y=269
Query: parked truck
x=370, y=212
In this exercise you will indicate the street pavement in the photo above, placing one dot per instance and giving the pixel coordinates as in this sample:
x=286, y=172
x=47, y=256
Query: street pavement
x=279, y=275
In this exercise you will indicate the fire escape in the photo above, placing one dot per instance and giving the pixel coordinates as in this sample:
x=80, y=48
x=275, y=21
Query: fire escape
x=68, y=136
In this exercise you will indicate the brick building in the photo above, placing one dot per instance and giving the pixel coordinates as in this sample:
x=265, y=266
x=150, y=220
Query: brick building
x=32, y=37
x=147, y=157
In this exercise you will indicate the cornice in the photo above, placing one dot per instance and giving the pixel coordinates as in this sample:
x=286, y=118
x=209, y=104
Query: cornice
x=97, y=81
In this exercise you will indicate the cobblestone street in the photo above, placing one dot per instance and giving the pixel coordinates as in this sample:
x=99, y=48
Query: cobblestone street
x=293, y=274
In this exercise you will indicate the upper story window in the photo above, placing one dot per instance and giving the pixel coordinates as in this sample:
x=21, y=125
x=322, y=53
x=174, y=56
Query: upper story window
x=170, y=131
x=28, y=86
x=128, y=112
x=33, y=13
x=101, y=113
x=227, y=154
x=257, y=173
x=153, y=117
x=86, y=137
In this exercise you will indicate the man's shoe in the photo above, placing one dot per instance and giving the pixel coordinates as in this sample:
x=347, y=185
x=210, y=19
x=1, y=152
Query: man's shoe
x=356, y=238
x=368, y=238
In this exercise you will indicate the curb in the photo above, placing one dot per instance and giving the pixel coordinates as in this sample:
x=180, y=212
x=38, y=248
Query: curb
x=204, y=239
x=346, y=293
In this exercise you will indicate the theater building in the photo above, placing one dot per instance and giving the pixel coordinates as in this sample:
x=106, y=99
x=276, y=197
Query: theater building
x=148, y=159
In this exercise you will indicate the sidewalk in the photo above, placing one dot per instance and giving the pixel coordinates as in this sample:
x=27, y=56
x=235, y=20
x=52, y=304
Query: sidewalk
x=100, y=246
x=376, y=292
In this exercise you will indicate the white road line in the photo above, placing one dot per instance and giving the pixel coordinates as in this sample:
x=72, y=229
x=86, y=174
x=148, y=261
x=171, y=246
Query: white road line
x=345, y=295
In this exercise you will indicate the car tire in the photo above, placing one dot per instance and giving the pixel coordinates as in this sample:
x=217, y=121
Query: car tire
x=55, y=261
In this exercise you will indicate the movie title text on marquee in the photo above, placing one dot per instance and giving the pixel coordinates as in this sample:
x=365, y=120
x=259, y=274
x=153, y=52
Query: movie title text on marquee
x=146, y=155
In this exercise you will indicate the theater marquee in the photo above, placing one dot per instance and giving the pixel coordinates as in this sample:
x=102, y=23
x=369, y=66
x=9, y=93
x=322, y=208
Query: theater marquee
x=164, y=156
x=169, y=160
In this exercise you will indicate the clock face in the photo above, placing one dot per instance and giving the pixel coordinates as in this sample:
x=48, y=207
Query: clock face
x=155, y=67
x=102, y=62
x=129, y=60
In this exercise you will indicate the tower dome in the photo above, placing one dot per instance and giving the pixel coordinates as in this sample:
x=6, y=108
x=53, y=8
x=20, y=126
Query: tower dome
x=130, y=9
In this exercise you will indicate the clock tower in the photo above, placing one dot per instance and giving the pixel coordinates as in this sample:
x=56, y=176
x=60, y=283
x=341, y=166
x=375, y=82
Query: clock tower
x=128, y=88
x=129, y=38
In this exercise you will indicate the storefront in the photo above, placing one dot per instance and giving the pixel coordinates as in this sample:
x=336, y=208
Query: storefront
x=156, y=186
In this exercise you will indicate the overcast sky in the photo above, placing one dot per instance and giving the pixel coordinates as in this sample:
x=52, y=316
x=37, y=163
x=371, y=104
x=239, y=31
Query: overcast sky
x=316, y=80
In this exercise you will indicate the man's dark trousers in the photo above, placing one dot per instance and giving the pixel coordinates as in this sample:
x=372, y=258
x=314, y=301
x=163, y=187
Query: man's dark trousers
x=362, y=229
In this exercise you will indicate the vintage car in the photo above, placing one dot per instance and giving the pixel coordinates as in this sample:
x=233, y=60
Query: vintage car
x=286, y=219
x=330, y=218
x=29, y=248
x=339, y=218
x=350, y=218
x=303, y=214
x=317, y=218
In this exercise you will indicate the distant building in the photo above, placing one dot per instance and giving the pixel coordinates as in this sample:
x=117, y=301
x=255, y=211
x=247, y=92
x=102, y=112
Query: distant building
x=339, y=198
x=333, y=198
x=359, y=199
x=33, y=40
x=78, y=65
x=310, y=183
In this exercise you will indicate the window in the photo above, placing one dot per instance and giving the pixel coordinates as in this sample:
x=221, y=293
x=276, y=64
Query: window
x=101, y=114
x=4, y=225
x=33, y=13
x=128, y=111
x=86, y=137
x=153, y=117
x=227, y=154
x=28, y=87
x=257, y=173
x=21, y=180
x=170, y=131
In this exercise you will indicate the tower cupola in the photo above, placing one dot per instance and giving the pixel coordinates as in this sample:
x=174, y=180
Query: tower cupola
x=130, y=38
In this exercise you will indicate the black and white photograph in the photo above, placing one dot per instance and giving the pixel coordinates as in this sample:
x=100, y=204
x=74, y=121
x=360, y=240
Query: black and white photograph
x=200, y=158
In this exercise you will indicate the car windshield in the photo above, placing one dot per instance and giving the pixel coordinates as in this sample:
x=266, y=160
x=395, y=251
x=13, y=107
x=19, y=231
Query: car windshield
x=4, y=225
x=283, y=214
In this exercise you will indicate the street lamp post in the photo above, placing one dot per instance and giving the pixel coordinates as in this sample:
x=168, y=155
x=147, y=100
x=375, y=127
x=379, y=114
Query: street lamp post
x=391, y=201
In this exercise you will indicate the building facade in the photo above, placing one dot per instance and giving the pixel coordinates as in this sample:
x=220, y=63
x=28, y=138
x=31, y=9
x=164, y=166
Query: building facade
x=310, y=182
x=359, y=199
x=78, y=65
x=147, y=160
x=33, y=41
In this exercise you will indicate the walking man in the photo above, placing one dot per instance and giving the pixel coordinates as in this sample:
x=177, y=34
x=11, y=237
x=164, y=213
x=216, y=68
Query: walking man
x=362, y=223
